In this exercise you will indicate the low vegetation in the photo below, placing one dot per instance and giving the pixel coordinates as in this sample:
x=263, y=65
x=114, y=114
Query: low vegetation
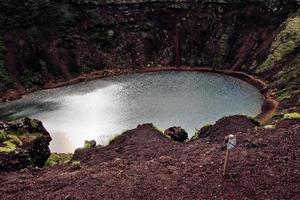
x=286, y=42
x=89, y=144
x=291, y=116
x=58, y=159
x=8, y=142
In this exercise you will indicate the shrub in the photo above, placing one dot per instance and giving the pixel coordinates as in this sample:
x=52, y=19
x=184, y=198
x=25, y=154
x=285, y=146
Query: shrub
x=58, y=159
x=89, y=144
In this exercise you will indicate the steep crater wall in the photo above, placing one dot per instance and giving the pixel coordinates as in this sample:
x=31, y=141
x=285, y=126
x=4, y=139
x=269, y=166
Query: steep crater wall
x=42, y=41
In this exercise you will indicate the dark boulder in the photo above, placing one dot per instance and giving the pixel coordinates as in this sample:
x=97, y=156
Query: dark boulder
x=23, y=143
x=178, y=134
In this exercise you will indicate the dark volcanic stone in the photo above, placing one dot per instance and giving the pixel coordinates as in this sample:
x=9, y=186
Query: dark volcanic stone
x=25, y=143
x=178, y=134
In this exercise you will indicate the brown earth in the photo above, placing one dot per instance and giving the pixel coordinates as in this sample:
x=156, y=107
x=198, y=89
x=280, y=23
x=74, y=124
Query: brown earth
x=143, y=164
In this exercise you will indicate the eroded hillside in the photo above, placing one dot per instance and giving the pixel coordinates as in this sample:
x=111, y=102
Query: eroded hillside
x=44, y=40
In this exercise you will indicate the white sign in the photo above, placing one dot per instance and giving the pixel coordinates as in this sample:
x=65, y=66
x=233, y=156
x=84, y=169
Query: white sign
x=231, y=142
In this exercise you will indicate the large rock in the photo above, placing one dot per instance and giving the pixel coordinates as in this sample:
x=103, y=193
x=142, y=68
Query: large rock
x=23, y=143
x=178, y=134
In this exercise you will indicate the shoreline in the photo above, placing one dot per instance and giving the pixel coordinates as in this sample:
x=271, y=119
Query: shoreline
x=268, y=109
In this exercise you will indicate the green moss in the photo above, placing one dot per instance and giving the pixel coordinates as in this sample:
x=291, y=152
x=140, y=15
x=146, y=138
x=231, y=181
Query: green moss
x=8, y=142
x=291, y=116
x=284, y=44
x=8, y=146
x=287, y=80
x=89, y=144
x=58, y=159
x=15, y=140
x=3, y=135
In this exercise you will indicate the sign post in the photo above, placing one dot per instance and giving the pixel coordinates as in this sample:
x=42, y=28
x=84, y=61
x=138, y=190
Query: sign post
x=231, y=143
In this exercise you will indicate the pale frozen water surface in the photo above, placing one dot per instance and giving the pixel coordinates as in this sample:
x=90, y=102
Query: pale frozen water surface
x=103, y=108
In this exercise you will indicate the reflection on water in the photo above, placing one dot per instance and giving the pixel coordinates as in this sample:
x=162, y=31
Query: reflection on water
x=13, y=111
x=103, y=108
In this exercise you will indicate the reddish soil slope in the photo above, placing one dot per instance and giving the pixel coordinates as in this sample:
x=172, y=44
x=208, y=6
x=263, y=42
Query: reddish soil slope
x=143, y=164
